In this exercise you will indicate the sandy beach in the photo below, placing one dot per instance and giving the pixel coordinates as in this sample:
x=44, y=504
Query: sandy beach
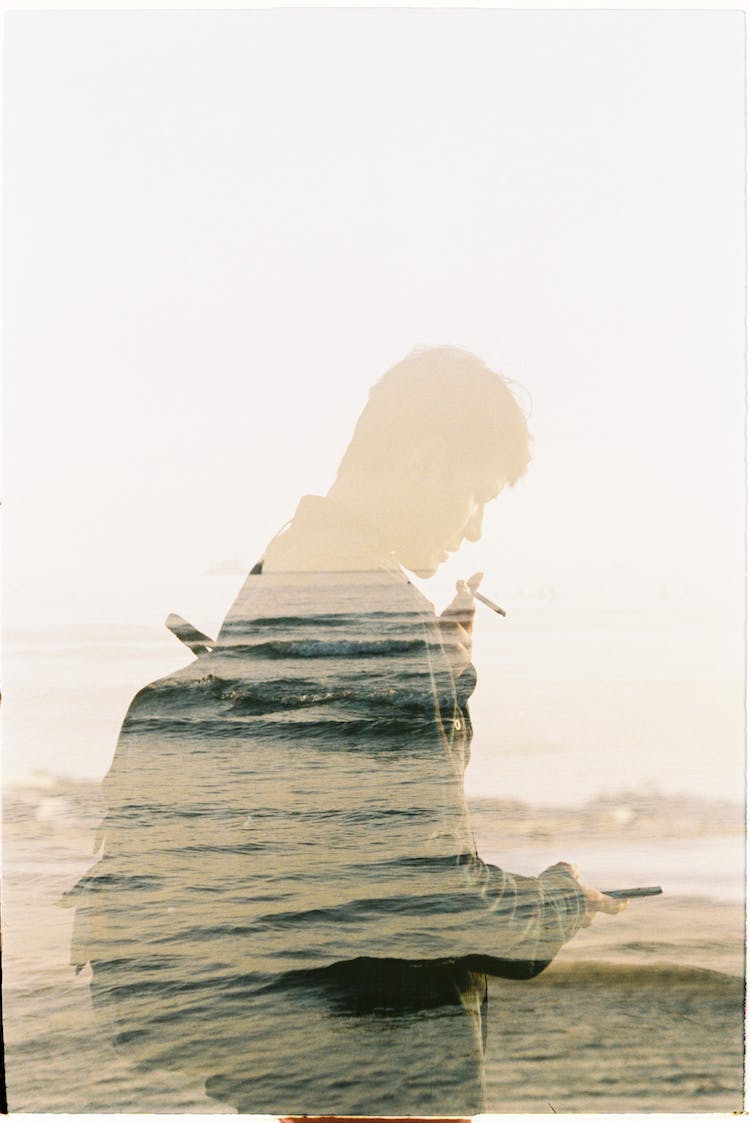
x=639, y=1013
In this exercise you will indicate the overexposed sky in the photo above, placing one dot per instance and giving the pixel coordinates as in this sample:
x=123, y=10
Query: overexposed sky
x=221, y=227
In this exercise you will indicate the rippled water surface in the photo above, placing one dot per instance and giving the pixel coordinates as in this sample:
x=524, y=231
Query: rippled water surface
x=641, y=1012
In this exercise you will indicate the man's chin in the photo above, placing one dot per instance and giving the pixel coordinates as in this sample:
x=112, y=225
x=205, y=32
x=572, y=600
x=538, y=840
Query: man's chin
x=424, y=569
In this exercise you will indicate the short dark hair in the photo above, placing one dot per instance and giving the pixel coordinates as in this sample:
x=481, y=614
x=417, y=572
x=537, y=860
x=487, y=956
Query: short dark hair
x=447, y=391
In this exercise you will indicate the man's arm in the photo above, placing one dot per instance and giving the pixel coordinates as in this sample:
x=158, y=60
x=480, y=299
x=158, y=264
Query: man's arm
x=556, y=903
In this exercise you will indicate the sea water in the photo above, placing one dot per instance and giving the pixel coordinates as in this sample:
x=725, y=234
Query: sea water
x=612, y=739
x=572, y=701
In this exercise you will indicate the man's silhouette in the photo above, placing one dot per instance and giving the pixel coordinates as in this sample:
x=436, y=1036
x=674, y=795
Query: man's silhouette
x=289, y=899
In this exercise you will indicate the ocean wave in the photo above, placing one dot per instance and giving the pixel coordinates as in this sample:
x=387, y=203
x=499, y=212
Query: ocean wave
x=263, y=696
x=349, y=620
x=323, y=649
x=378, y=735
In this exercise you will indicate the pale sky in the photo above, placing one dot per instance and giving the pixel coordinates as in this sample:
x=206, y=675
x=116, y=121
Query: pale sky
x=222, y=227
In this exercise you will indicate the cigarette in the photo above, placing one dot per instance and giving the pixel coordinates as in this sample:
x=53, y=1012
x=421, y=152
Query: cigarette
x=490, y=603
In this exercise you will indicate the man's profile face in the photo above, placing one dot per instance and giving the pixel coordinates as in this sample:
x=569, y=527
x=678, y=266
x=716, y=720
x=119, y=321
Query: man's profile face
x=445, y=515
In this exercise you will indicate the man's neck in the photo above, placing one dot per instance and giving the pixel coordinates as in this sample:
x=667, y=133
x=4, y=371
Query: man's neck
x=367, y=506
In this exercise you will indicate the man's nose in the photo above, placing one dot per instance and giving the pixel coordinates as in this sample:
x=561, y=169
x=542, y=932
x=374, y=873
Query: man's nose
x=473, y=528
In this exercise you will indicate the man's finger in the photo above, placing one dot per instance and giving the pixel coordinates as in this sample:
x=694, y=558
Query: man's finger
x=462, y=605
x=611, y=905
x=463, y=592
x=600, y=902
x=475, y=581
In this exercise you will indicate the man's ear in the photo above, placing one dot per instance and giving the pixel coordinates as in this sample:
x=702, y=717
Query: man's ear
x=427, y=457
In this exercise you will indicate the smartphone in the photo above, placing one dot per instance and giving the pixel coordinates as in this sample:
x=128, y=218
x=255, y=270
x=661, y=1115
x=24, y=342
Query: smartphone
x=645, y=891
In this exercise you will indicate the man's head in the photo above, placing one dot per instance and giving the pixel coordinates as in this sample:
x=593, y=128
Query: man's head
x=440, y=435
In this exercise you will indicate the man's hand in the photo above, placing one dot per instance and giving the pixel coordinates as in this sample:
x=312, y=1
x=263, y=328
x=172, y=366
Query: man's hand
x=457, y=622
x=595, y=900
